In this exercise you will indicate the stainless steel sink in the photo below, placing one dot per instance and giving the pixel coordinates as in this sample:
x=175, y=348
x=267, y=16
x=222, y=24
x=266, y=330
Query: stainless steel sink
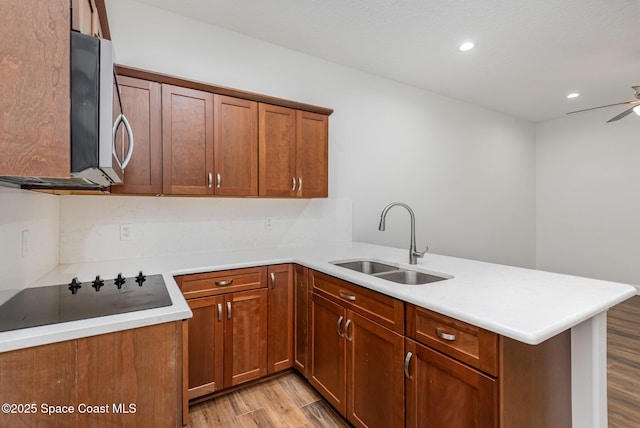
x=410, y=277
x=367, y=266
x=392, y=273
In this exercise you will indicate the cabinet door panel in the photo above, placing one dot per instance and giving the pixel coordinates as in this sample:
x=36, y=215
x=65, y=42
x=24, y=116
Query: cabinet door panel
x=328, y=353
x=141, y=106
x=236, y=146
x=187, y=139
x=443, y=392
x=205, y=341
x=280, y=327
x=277, y=143
x=34, y=93
x=312, y=154
x=375, y=379
x=301, y=316
x=245, y=349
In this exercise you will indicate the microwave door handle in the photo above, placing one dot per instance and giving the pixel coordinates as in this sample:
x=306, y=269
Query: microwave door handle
x=127, y=126
x=122, y=120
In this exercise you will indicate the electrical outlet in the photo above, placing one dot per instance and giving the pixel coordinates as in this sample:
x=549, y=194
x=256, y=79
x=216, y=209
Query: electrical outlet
x=267, y=223
x=25, y=243
x=126, y=231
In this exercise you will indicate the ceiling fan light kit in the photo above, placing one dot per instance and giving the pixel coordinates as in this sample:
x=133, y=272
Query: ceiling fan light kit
x=635, y=107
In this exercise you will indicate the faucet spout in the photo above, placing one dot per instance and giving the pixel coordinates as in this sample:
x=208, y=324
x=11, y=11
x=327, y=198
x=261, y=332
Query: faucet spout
x=413, y=252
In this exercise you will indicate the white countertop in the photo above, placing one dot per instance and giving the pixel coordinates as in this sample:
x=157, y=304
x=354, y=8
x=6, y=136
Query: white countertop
x=526, y=305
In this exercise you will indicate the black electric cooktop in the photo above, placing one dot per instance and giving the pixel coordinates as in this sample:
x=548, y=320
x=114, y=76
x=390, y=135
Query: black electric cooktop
x=38, y=306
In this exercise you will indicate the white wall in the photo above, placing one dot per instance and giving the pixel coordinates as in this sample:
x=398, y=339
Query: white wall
x=39, y=214
x=469, y=173
x=588, y=196
x=90, y=225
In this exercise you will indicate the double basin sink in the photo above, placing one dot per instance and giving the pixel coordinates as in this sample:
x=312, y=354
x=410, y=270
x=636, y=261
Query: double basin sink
x=391, y=272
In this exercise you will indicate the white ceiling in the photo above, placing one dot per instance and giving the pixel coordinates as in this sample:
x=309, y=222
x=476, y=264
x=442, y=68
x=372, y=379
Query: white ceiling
x=530, y=53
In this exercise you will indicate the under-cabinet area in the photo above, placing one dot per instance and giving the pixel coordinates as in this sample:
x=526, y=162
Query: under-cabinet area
x=378, y=361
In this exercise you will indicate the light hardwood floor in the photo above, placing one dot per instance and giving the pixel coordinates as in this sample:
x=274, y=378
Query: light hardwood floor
x=284, y=401
x=288, y=401
x=623, y=360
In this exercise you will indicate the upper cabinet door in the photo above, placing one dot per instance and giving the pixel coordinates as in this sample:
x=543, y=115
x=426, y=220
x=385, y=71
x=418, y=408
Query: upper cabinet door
x=277, y=142
x=187, y=139
x=34, y=88
x=312, y=154
x=235, y=146
x=141, y=106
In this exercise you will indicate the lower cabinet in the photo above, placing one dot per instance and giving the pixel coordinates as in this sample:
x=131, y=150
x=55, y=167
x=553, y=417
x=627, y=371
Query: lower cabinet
x=356, y=364
x=226, y=339
x=442, y=392
x=280, y=316
x=301, y=319
x=128, y=378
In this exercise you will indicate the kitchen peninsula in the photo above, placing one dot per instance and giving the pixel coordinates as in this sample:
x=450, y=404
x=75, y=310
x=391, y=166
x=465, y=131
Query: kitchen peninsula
x=518, y=304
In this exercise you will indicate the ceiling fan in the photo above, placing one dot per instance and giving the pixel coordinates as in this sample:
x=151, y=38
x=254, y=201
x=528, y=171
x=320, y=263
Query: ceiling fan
x=635, y=107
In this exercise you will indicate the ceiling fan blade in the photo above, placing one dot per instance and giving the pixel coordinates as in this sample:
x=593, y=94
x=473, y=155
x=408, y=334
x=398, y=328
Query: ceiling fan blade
x=608, y=105
x=621, y=115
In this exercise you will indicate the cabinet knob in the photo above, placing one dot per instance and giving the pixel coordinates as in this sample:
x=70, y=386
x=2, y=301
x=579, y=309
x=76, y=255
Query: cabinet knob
x=293, y=180
x=223, y=283
x=218, y=180
x=273, y=280
x=228, y=310
x=210, y=180
x=346, y=330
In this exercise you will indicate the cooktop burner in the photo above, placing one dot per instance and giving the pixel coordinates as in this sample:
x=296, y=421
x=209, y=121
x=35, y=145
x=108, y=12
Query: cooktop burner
x=38, y=306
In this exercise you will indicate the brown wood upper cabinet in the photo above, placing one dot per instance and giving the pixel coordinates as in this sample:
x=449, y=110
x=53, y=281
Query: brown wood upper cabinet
x=142, y=107
x=86, y=17
x=293, y=152
x=34, y=88
x=187, y=141
x=235, y=146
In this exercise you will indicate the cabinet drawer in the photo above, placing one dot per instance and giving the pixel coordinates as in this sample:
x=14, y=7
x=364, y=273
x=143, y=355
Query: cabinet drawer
x=472, y=345
x=384, y=310
x=228, y=281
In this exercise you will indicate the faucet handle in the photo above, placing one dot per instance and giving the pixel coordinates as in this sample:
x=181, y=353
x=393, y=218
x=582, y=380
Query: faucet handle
x=420, y=253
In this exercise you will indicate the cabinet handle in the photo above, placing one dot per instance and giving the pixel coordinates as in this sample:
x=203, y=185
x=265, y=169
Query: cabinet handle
x=293, y=180
x=273, y=280
x=227, y=282
x=299, y=184
x=407, y=360
x=346, y=330
x=445, y=336
x=210, y=180
x=347, y=296
x=340, y=326
x=228, y=310
x=218, y=181
x=219, y=311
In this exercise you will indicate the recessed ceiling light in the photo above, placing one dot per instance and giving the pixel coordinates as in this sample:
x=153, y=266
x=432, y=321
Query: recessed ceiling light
x=573, y=95
x=467, y=46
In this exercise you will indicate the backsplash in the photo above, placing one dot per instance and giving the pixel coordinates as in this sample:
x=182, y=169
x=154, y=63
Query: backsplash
x=90, y=226
x=39, y=214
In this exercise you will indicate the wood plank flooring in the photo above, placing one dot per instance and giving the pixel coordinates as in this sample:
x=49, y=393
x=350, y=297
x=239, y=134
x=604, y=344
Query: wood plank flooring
x=289, y=401
x=284, y=401
x=623, y=361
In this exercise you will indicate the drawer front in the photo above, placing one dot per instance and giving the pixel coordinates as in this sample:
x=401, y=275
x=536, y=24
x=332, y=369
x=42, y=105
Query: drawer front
x=384, y=310
x=228, y=281
x=467, y=343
